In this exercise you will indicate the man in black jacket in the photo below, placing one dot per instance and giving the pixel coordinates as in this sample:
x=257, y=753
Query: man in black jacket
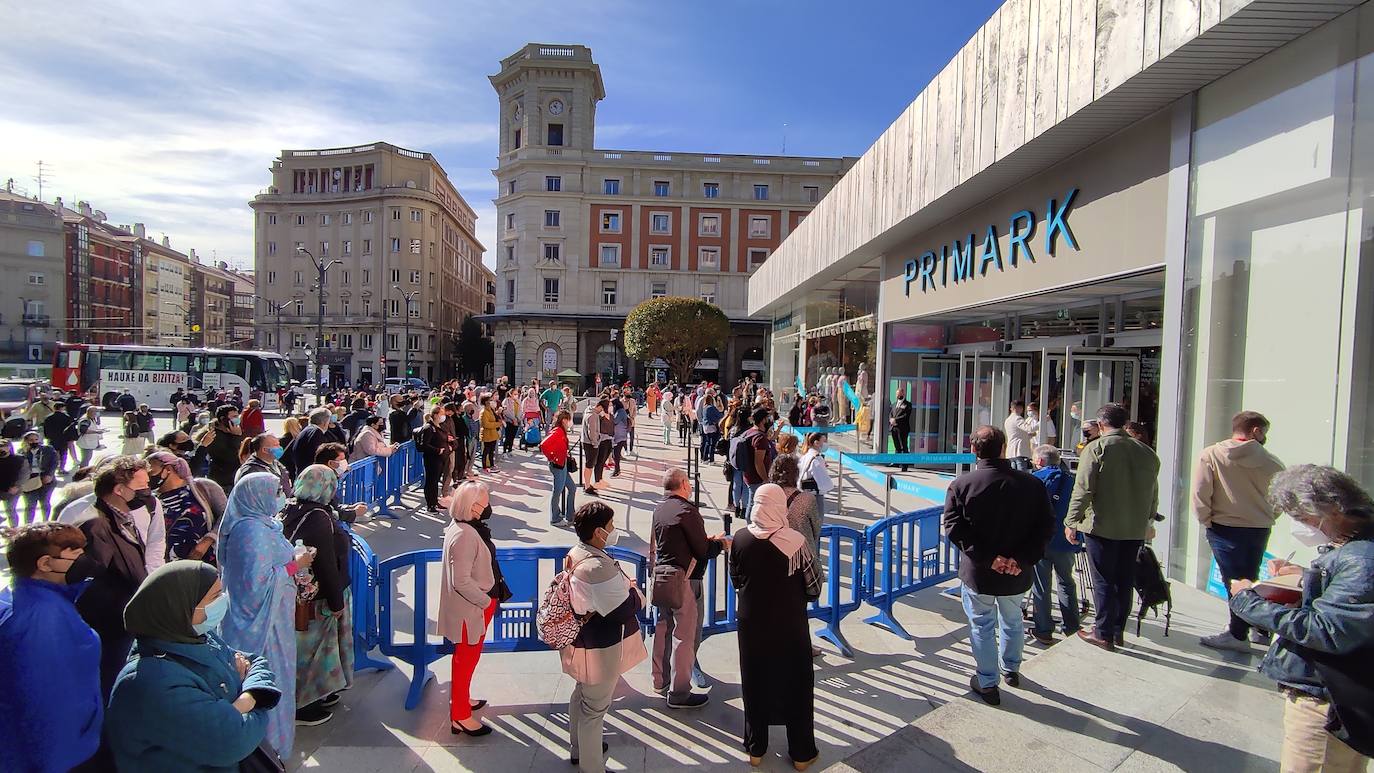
x=57, y=429
x=301, y=452
x=1000, y=519
x=900, y=424
x=680, y=545
x=399, y=422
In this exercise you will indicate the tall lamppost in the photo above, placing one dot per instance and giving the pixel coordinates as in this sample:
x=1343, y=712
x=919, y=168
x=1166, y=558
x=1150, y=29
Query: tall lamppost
x=185, y=311
x=276, y=310
x=321, y=267
x=409, y=296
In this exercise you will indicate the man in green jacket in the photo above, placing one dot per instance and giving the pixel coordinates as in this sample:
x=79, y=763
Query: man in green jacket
x=1114, y=500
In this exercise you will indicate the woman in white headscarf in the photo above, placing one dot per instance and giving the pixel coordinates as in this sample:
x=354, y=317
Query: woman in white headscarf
x=769, y=564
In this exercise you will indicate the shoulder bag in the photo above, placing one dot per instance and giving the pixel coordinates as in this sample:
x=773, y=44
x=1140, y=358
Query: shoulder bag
x=306, y=587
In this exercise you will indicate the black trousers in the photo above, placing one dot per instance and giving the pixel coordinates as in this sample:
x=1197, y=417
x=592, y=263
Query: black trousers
x=1113, y=569
x=488, y=453
x=603, y=455
x=434, y=473
x=509, y=439
x=899, y=436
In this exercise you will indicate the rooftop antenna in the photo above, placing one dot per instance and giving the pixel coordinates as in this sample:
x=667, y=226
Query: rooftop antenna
x=41, y=177
x=784, y=139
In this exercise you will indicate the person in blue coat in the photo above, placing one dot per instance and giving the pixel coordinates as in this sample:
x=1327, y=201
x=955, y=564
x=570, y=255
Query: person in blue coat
x=49, y=658
x=186, y=701
x=1059, y=556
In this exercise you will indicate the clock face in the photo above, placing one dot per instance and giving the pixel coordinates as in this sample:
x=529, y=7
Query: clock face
x=556, y=107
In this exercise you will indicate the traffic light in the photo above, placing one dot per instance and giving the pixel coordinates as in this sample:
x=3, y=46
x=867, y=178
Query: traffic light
x=383, y=360
x=410, y=371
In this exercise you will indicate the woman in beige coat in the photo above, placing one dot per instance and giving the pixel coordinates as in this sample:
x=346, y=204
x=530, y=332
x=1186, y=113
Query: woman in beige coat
x=609, y=642
x=468, y=597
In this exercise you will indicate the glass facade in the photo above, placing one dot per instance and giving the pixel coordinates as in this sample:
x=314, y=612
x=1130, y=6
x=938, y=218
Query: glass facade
x=1278, y=285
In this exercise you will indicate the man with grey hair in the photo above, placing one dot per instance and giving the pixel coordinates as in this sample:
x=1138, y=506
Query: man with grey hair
x=1059, y=556
x=301, y=452
x=678, y=545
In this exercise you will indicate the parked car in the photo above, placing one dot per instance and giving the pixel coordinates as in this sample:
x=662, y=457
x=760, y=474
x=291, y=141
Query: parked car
x=396, y=385
x=16, y=394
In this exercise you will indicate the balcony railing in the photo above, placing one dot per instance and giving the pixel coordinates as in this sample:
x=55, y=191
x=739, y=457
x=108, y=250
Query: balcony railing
x=36, y=320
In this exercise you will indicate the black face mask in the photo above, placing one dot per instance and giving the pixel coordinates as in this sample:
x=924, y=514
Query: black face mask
x=486, y=513
x=143, y=497
x=155, y=481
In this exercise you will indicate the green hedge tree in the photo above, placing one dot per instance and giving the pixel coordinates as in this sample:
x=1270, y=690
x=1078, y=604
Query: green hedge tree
x=677, y=330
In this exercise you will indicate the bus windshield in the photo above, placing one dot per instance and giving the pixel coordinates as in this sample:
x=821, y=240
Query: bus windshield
x=277, y=377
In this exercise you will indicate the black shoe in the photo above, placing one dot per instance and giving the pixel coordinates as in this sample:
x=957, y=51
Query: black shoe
x=605, y=747
x=312, y=715
x=479, y=704
x=1044, y=638
x=591, y=492
x=330, y=702
x=692, y=701
x=458, y=729
x=1120, y=640
x=990, y=695
x=1013, y=678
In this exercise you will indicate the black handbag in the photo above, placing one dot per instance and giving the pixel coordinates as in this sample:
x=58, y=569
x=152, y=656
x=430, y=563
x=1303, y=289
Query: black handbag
x=263, y=759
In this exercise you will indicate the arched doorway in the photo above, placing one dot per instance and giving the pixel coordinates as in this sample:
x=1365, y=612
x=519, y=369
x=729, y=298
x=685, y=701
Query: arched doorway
x=549, y=355
x=509, y=360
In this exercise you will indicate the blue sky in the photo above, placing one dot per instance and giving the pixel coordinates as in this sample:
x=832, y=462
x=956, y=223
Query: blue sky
x=170, y=113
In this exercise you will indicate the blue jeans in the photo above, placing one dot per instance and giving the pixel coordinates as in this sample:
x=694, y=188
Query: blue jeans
x=995, y=627
x=1239, y=551
x=564, y=499
x=1055, y=562
x=708, y=446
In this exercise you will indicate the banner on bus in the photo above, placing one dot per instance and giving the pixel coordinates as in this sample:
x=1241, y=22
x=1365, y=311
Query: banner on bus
x=115, y=377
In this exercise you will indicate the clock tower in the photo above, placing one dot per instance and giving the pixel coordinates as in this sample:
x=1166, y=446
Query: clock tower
x=548, y=98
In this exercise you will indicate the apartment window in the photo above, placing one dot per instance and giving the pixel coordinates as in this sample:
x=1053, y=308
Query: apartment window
x=516, y=140
x=610, y=254
x=708, y=257
x=510, y=253
x=610, y=187
x=367, y=216
x=761, y=193
x=298, y=278
x=271, y=248
x=709, y=225
x=395, y=276
x=431, y=279
x=395, y=213
x=758, y=227
x=346, y=339
x=551, y=218
x=271, y=277
x=414, y=277
x=550, y=290
x=756, y=258
x=551, y=252
x=393, y=307
x=413, y=309
x=347, y=277
x=367, y=246
x=365, y=340
x=414, y=215
x=271, y=219
x=510, y=291
x=300, y=305
x=324, y=249
x=811, y=193
x=708, y=292
x=413, y=343
x=348, y=218
x=300, y=219
x=298, y=340
x=710, y=190
x=367, y=277
x=414, y=246
x=661, y=188
x=324, y=219
x=395, y=244
x=608, y=293
x=555, y=134
x=658, y=256
x=347, y=247
x=510, y=187
x=660, y=223
x=299, y=246
x=343, y=304
x=610, y=222
x=658, y=289
x=553, y=184
x=510, y=221
x=36, y=278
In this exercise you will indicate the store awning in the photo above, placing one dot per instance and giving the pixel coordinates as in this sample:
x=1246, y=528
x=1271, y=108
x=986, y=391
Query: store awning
x=569, y=373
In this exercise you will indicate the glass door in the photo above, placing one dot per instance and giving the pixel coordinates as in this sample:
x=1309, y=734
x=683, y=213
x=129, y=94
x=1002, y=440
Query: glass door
x=1090, y=381
x=987, y=386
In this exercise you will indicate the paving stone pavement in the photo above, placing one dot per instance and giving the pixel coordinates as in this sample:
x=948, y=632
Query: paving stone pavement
x=1164, y=703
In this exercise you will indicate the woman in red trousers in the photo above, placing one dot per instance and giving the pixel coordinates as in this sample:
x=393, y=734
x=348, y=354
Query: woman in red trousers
x=471, y=590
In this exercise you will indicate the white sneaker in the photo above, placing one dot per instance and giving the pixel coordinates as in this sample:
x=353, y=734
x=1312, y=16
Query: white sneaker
x=1225, y=641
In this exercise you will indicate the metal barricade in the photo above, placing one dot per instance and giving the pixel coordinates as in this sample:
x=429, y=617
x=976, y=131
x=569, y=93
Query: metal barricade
x=364, y=579
x=903, y=554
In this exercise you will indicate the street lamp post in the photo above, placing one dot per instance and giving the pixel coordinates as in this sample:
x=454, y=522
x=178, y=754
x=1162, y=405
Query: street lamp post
x=615, y=357
x=185, y=311
x=276, y=310
x=321, y=267
x=409, y=296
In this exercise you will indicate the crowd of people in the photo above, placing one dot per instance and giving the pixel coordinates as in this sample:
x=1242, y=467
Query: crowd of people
x=189, y=598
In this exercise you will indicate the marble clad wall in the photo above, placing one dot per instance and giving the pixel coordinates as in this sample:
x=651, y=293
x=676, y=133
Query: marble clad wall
x=1033, y=65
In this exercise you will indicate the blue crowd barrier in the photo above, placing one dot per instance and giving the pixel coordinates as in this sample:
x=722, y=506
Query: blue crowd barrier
x=903, y=554
x=364, y=579
x=836, y=602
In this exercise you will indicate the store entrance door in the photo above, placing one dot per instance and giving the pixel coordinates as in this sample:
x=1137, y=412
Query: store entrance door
x=1078, y=382
x=987, y=385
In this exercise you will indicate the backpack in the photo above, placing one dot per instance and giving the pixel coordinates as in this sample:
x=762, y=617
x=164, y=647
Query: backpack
x=1151, y=587
x=742, y=455
x=555, y=622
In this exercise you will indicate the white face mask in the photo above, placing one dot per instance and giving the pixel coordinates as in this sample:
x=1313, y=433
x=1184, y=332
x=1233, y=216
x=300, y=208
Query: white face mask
x=1308, y=535
x=612, y=537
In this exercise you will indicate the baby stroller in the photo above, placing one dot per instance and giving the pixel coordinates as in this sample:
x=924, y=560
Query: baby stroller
x=531, y=436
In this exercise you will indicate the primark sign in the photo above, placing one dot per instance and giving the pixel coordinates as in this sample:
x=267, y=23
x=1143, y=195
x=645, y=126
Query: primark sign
x=964, y=261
